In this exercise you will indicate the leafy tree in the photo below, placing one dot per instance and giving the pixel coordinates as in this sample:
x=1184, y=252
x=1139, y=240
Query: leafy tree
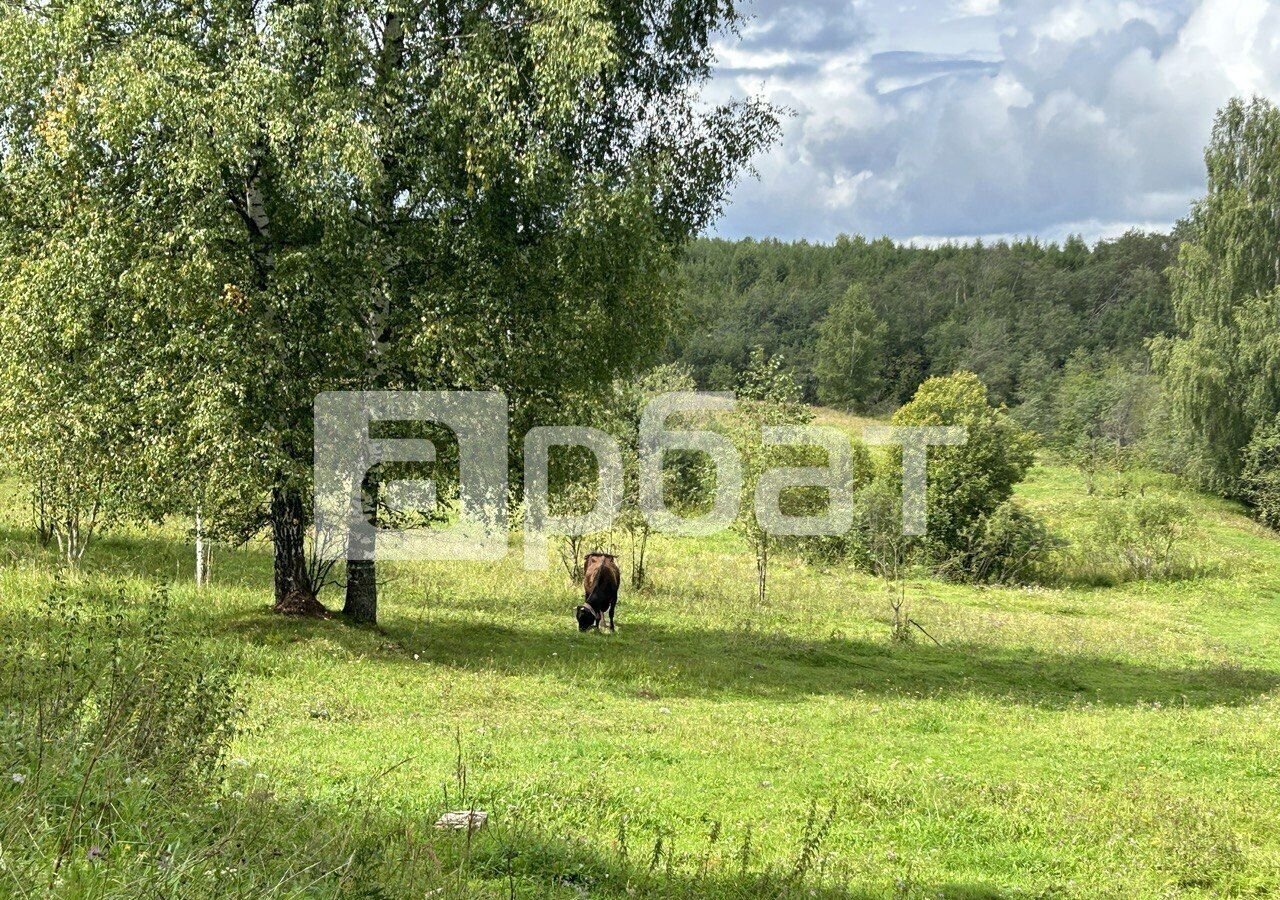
x=767, y=395
x=849, y=351
x=285, y=198
x=967, y=482
x=71, y=408
x=1036, y=394
x=630, y=399
x=1084, y=401
x=1260, y=478
x=1222, y=369
x=572, y=475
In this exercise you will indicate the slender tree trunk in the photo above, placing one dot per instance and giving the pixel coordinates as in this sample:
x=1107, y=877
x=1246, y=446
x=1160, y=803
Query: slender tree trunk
x=762, y=570
x=295, y=595
x=44, y=522
x=638, y=547
x=202, y=575
x=361, y=604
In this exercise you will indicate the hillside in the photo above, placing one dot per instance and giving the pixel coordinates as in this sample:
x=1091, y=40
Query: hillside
x=1013, y=313
x=1081, y=738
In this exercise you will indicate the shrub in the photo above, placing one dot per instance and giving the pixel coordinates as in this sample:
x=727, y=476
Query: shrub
x=1142, y=532
x=1010, y=546
x=826, y=550
x=877, y=543
x=966, y=482
x=110, y=719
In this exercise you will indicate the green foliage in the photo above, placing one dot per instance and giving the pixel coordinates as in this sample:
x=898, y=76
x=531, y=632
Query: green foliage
x=1143, y=532
x=1012, y=545
x=1036, y=394
x=966, y=482
x=111, y=716
x=574, y=488
x=1222, y=369
x=988, y=308
x=828, y=550
x=848, y=356
x=1101, y=409
x=1260, y=479
x=878, y=544
x=270, y=200
x=767, y=395
x=120, y=678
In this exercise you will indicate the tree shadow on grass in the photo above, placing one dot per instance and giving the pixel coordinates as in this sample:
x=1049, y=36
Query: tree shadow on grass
x=367, y=850
x=651, y=661
x=540, y=861
x=356, y=848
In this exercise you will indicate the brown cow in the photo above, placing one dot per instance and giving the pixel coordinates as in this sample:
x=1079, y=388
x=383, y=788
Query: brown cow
x=601, y=578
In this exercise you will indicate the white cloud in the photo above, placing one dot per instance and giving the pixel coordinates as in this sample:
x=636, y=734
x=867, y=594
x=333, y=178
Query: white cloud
x=976, y=7
x=1092, y=115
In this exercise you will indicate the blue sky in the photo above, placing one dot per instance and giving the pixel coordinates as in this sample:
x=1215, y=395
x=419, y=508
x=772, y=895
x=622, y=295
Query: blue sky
x=929, y=120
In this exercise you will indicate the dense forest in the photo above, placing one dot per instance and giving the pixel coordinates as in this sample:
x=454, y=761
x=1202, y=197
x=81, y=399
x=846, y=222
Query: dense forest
x=862, y=323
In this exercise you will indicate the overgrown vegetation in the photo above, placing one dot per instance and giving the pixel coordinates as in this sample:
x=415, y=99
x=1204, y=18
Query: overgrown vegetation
x=1063, y=714
x=207, y=220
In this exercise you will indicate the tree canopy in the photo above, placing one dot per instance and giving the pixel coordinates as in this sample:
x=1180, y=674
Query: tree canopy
x=270, y=199
x=1222, y=368
x=1013, y=313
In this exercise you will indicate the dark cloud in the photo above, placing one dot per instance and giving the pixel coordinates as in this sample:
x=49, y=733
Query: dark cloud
x=904, y=70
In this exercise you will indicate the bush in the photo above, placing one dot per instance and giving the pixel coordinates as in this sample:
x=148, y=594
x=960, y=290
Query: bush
x=877, y=543
x=1010, y=546
x=966, y=482
x=826, y=550
x=1143, y=533
x=110, y=720
x=1260, y=478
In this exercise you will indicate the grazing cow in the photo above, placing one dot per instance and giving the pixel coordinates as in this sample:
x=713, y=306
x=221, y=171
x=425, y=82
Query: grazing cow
x=600, y=589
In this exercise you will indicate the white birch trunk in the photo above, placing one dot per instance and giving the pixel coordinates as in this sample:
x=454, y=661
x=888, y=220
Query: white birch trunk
x=202, y=553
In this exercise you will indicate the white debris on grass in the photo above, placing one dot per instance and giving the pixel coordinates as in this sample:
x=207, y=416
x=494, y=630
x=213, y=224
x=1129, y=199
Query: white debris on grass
x=472, y=820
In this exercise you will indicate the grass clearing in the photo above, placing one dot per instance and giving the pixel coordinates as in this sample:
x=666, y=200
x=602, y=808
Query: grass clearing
x=1065, y=740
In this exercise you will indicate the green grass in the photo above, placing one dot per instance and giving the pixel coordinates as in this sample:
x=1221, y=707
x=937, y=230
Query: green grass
x=1078, y=740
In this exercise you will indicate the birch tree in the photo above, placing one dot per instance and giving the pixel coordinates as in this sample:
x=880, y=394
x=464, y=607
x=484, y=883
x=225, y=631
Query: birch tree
x=767, y=395
x=306, y=196
x=1222, y=368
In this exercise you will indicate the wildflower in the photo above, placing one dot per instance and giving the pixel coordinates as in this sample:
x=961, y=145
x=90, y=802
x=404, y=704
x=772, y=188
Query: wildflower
x=18, y=778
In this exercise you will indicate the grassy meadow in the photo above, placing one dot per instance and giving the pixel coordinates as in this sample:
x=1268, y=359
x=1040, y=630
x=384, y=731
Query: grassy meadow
x=1089, y=737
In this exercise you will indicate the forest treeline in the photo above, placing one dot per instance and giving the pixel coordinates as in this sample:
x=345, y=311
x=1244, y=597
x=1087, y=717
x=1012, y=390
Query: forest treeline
x=1164, y=344
x=861, y=323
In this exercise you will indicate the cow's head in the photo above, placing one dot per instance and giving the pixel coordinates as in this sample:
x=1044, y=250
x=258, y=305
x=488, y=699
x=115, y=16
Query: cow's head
x=586, y=617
